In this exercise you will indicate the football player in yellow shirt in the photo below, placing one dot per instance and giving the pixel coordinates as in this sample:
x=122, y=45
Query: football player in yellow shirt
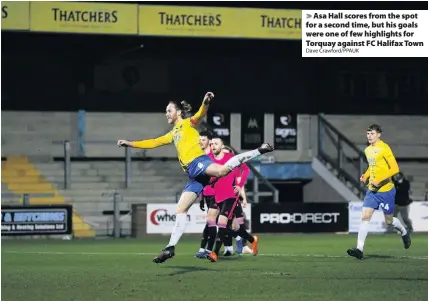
x=198, y=166
x=381, y=190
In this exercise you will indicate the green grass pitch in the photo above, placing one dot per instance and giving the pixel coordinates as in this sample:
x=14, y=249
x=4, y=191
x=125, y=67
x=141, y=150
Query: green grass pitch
x=289, y=267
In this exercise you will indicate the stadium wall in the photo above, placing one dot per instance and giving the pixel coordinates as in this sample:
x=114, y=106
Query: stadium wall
x=319, y=191
x=42, y=133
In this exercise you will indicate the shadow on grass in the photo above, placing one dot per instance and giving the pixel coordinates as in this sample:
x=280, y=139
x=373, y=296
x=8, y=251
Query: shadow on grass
x=180, y=270
x=378, y=256
x=227, y=258
x=191, y=269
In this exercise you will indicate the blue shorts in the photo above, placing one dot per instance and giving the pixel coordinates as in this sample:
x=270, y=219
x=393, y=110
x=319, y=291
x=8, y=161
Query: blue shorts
x=197, y=177
x=380, y=200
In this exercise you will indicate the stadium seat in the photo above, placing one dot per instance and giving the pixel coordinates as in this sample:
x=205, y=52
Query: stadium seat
x=21, y=177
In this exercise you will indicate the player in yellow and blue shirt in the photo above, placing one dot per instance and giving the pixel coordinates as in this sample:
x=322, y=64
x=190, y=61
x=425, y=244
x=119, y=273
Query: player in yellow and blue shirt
x=198, y=166
x=381, y=191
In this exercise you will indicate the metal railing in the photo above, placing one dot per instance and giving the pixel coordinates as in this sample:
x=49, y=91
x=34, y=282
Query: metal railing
x=255, y=193
x=26, y=197
x=347, y=161
x=116, y=213
x=67, y=163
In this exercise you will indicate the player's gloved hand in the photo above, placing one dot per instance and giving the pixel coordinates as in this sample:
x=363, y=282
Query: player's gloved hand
x=208, y=97
x=202, y=205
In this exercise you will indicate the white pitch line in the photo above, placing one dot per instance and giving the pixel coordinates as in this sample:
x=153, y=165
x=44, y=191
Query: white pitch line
x=189, y=254
x=79, y=253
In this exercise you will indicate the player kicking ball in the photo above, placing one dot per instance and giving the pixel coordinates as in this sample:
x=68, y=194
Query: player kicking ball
x=194, y=162
x=381, y=190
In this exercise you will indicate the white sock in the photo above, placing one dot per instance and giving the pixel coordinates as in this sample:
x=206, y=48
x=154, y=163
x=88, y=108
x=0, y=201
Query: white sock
x=238, y=238
x=237, y=160
x=229, y=248
x=201, y=250
x=247, y=250
x=180, y=226
x=397, y=225
x=362, y=234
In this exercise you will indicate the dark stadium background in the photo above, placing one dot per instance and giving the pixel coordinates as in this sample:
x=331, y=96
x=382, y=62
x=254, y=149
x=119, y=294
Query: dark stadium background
x=268, y=74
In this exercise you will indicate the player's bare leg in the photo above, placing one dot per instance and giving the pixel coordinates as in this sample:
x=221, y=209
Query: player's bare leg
x=362, y=233
x=186, y=201
x=395, y=222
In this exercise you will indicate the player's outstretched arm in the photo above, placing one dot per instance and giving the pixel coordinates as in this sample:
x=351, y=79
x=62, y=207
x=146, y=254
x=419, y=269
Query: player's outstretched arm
x=149, y=143
x=202, y=112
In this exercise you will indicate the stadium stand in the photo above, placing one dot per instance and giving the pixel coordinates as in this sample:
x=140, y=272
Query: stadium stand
x=32, y=133
x=22, y=177
x=40, y=136
x=7, y=196
x=93, y=184
x=102, y=128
